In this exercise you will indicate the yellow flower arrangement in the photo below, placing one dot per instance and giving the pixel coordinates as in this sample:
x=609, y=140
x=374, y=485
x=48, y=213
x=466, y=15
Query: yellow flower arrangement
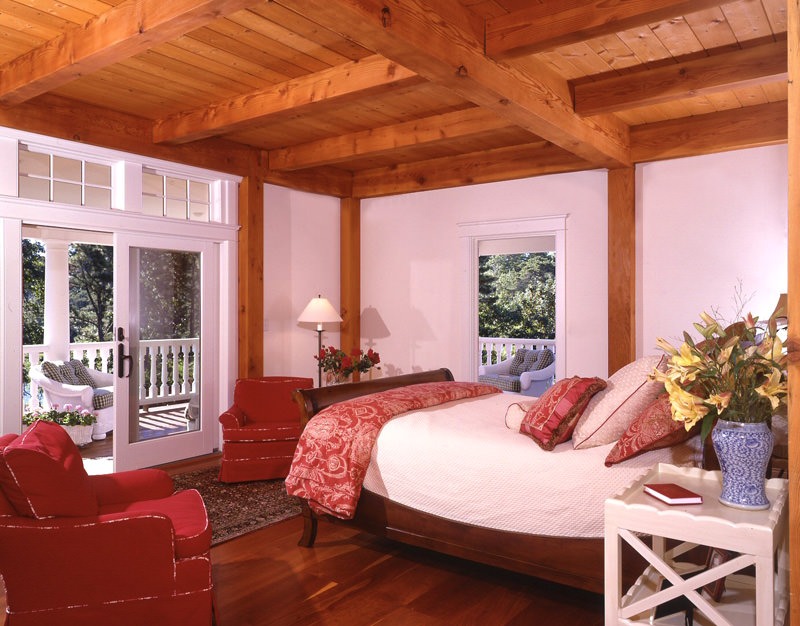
x=736, y=374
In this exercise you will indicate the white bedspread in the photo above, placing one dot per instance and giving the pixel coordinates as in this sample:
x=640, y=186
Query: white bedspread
x=459, y=461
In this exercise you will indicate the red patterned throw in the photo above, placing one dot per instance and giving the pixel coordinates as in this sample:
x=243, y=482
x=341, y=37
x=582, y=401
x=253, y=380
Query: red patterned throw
x=334, y=450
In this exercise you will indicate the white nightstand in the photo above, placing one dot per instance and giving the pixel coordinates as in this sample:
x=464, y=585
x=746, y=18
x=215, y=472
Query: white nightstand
x=759, y=537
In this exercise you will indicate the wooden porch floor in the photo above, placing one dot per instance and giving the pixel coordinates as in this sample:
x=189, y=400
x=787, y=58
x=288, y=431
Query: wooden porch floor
x=155, y=422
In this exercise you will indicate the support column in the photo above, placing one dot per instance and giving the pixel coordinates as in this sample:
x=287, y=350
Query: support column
x=793, y=24
x=621, y=268
x=56, y=299
x=350, y=274
x=251, y=277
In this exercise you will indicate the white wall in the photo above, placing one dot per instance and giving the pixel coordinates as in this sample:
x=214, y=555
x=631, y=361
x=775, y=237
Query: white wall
x=704, y=223
x=413, y=266
x=709, y=224
x=301, y=260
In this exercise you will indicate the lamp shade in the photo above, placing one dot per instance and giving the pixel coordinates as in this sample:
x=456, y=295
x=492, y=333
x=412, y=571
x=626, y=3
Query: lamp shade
x=319, y=311
x=781, y=311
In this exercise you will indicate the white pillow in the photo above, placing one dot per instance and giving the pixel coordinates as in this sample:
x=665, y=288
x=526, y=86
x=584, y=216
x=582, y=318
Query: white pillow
x=516, y=412
x=611, y=411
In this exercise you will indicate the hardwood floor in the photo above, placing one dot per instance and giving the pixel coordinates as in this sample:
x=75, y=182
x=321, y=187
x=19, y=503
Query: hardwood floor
x=354, y=579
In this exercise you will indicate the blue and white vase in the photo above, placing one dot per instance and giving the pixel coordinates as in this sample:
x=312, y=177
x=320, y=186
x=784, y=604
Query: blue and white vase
x=743, y=450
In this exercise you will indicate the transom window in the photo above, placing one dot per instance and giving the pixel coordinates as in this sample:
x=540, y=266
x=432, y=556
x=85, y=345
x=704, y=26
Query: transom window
x=170, y=196
x=55, y=178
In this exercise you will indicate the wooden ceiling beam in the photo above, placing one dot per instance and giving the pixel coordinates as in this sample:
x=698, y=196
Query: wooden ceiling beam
x=735, y=129
x=751, y=66
x=552, y=23
x=523, y=161
x=120, y=33
x=337, y=85
x=436, y=41
x=384, y=140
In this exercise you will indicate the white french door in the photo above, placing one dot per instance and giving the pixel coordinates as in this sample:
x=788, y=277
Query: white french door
x=149, y=291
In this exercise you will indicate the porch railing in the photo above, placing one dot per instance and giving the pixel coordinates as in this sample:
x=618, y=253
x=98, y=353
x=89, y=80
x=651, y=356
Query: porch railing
x=495, y=349
x=167, y=368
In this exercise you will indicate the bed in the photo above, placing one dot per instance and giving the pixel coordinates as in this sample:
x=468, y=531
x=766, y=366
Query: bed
x=524, y=540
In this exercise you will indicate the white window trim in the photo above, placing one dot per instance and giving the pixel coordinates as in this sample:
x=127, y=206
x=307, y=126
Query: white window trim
x=471, y=233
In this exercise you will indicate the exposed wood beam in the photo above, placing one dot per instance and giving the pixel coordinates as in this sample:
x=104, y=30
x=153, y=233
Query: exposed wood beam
x=748, y=127
x=327, y=181
x=78, y=121
x=793, y=21
x=121, y=32
x=483, y=167
x=731, y=70
x=350, y=274
x=378, y=141
x=251, y=277
x=621, y=268
x=434, y=40
x=552, y=23
x=336, y=85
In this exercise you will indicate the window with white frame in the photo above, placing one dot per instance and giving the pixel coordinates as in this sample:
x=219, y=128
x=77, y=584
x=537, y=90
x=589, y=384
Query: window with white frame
x=177, y=197
x=55, y=178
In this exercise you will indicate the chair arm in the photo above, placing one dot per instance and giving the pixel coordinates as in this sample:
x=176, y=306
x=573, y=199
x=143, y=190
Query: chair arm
x=121, y=556
x=61, y=394
x=132, y=486
x=102, y=379
x=497, y=369
x=526, y=378
x=234, y=417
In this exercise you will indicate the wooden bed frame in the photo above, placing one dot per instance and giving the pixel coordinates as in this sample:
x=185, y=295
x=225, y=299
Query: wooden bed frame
x=577, y=562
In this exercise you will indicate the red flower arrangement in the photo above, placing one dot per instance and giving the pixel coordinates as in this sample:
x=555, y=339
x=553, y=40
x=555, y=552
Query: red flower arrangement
x=341, y=364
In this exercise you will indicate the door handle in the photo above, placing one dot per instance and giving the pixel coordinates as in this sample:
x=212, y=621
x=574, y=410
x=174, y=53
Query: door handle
x=121, y=359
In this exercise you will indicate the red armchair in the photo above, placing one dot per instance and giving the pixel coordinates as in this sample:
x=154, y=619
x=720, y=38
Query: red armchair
x=261, y=429
x=122, y=549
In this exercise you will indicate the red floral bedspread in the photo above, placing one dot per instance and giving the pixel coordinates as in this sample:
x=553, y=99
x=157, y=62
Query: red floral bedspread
x=332, y=455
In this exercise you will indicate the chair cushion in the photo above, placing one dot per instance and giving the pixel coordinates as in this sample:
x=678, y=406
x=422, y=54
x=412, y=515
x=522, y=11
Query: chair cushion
x=501, y=381
x=522, y=361
x=82, y=373
x=551, y=419
x=542, y=358
x=269, y=399
x=102, y=398
x=189, y=519
x=263, y=431
x=42, y=474
x=60, y=372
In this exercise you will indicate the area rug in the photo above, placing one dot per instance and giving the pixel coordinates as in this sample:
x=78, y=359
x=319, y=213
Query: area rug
x=238, y=508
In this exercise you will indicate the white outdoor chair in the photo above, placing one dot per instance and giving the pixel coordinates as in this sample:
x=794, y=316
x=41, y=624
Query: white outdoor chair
x=88, y=396
x=533, y=382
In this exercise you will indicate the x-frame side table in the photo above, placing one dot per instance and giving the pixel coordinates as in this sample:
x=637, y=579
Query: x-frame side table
x=759, y=538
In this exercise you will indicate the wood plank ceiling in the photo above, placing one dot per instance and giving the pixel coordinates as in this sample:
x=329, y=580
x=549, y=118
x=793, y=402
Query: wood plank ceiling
x=364, y=98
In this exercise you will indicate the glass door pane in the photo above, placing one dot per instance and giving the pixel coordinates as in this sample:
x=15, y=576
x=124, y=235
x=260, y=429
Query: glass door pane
x=160, y=340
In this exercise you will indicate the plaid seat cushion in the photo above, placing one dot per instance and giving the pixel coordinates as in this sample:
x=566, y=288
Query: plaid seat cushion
x=501, y=381
x=102, y=399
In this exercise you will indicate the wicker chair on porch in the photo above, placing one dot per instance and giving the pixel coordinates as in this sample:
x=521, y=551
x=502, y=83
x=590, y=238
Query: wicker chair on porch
x=261, y=429
x=71, y=382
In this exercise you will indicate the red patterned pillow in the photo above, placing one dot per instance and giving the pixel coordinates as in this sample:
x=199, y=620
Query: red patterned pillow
x=552, y=418
x=654, y=428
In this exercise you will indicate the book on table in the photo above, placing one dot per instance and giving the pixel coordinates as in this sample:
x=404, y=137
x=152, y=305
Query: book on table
x=672, y=493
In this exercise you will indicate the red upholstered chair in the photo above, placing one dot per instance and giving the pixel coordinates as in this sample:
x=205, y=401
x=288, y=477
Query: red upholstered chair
x=120, y=549
x=261, y=429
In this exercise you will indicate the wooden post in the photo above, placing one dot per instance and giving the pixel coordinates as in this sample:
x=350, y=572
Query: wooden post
x=793, y=23
x=350, y=274
x=251, y=277
x=621, y=268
